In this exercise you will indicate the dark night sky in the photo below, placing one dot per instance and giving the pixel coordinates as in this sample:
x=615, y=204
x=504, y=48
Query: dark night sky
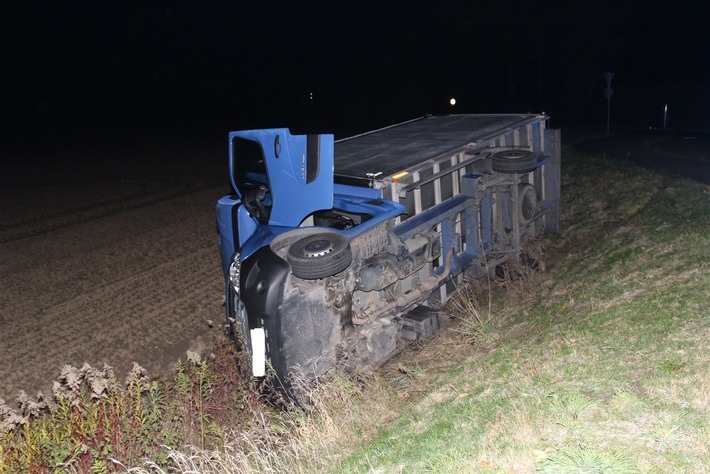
x=178, y=65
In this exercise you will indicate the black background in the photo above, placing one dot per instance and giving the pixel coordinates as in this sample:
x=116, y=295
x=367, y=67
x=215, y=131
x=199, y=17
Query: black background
x=72, y=69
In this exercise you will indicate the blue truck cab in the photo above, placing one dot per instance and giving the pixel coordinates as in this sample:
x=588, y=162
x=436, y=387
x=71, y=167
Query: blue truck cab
x=336, y=255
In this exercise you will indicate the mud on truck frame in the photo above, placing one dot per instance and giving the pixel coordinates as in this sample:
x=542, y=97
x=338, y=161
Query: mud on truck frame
x=339, y=254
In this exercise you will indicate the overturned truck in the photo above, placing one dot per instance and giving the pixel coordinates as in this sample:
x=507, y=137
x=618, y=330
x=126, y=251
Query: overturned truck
x=339, y=254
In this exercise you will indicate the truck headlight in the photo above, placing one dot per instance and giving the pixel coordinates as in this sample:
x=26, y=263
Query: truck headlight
x=234, y=272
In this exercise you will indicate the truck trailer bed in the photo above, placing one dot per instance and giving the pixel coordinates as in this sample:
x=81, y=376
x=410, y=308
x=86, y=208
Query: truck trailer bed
x=377, y=155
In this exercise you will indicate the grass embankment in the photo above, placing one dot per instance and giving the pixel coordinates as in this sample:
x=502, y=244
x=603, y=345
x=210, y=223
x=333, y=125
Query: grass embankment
x=599, y=363
x=601, y=366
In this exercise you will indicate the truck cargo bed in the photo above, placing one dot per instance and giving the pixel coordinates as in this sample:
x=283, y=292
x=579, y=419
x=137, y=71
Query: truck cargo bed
x=382, y=153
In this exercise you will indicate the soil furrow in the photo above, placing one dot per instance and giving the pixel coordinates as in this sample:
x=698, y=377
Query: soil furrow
x=136, y=284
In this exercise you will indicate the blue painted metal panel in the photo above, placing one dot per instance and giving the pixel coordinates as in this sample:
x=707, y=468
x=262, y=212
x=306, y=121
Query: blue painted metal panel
x=261, y=238
x=298, y=185
x=247, y=225
x=225, y=229
x=349, y=190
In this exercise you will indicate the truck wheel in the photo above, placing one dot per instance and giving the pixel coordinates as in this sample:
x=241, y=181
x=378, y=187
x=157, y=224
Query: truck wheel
x=527, y=202
x=319, y=255
x=514, y=161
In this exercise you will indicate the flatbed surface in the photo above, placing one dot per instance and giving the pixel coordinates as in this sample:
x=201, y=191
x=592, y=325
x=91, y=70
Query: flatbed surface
x=387, y=151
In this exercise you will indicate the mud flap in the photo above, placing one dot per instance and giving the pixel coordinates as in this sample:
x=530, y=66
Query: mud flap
x=262, y=280
x=299, y=331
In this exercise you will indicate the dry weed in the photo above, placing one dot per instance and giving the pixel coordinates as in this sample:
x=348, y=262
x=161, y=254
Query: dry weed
x=518, y=277
x=481, y=312
x=299, y=440
x=473, y=321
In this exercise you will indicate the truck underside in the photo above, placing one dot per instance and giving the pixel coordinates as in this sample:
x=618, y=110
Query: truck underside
x=414, y=209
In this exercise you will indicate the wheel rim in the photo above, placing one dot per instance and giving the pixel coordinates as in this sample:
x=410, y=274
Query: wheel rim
x=527, y=203
x=527, y=206
x=317, y=248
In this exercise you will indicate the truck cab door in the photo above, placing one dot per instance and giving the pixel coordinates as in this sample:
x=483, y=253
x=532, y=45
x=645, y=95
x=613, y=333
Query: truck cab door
x=281, y=178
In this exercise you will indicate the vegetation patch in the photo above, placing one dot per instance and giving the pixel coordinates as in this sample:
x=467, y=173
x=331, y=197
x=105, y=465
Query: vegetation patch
x=91, y=422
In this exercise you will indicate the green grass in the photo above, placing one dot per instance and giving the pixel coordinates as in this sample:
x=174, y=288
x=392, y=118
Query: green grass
x=597, y=364
x=615, y=376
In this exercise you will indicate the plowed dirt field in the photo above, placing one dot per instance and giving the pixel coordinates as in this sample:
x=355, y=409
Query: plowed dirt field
x=106, y=271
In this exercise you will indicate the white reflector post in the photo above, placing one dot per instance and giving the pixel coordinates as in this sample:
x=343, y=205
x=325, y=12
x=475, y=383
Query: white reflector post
x=258, y=349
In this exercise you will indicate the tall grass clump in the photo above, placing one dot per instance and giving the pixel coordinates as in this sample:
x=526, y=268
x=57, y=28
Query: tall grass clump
x=342, y=411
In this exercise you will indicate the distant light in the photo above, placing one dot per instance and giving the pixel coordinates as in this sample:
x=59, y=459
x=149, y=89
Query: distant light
x=452, y=101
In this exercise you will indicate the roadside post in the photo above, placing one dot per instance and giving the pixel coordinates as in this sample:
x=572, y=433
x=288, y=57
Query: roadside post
x=665, y=116
x=608, y=92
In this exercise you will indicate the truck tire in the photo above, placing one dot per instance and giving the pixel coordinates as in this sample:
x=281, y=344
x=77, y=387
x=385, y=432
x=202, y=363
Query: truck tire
x=527, y=202
x=319, y=255
x=514, y=161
